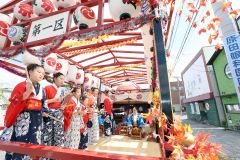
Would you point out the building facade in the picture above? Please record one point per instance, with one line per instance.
(201, 104)
(227, 89)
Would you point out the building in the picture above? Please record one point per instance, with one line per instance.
(226, 88)
(177, 95)
(201, 100)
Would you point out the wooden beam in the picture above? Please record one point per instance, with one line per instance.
(133, 52)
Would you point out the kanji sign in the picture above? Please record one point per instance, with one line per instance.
(48, 27)
(232, 49)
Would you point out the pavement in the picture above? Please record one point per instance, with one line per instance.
(230, 140)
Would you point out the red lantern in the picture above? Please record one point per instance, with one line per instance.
(42, 7)
(60, 4)
(23, 11)
(3, 28)
(84, 17)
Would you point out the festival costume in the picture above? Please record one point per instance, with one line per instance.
(53, 133)
(84, 129)
(108, 116)
(93, 133)
(26, 122)
(72, 123)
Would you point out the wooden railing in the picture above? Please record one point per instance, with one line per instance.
(37, 151)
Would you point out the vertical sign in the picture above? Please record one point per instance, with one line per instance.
(232, 49)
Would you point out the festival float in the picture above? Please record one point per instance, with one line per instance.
(106, 43)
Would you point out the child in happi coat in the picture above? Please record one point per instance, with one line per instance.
(87, 123)
(24, 114)
(73, 120)
(53, 133)
(93, 133)
(108, 118)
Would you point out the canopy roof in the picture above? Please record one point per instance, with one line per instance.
(117, 58)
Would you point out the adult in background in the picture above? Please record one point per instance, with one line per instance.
(108, 111)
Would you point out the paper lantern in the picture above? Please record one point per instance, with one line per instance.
(5, 21)
(41, 7)
(120, 9)
(95, 82)
(80, 76)
(50, 63)
(88, 80)
(60, 4)
(28, 58)
(62, 66)
(72, 73)
(23, 11)
(17, 34)
(84, 17)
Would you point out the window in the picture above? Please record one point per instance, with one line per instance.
(227, 71)
(197, 108)
(192, 108)
(232, 108)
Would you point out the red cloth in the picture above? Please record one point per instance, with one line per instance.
(51, 92)
(85, 120)
(108, 105)
(90, 101)
(68, 112)
(16, 105)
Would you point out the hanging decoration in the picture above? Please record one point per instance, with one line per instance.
(61, 4)
(50, 63)
(9, 69)
(80, 76)
(23, 11)
(84, 17)
(84, 42)
(129, 76)
(17, 34)
(62, 66)
(207, 23)
(186, 146)
(72, 73)
(129, 25)
(123, 9)
(88, 80)
(116, 69)
(42, 7)
(27, 58)
(106, 47)
(5, 22)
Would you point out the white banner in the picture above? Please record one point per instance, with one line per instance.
(48, 27)
(232, 49)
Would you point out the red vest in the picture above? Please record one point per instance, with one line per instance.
(108, 105)
(17, 105)
(68, 112)
(51, 92)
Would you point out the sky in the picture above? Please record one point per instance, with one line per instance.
(193, 44)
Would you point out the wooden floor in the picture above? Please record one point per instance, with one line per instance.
(126, 145)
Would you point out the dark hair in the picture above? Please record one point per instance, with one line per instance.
(32, 67)
(83, 98)
(56, 75)
(75, 89)
(94, 88)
